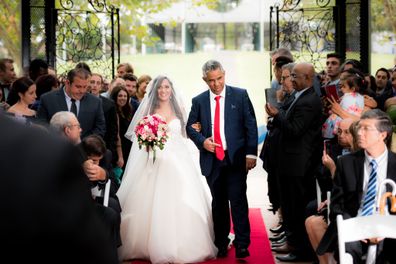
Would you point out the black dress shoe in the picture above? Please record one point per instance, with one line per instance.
(282, 249)
(279, 242)
(278, 236)
(241, 252)
(292, 257)
(277, 230)
(222, 253)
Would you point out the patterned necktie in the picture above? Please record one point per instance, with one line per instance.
(217, 139)
(369, 199)
(73, 107)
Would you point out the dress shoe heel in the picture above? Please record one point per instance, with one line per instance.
(241, 252)
(277, 230)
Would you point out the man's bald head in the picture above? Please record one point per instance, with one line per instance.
(303, 74)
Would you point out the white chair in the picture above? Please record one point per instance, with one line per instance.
(105, 193)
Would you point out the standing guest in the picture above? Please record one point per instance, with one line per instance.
(75, 98)
(298, 157)
(123, 68)
(37, 68)
(130, 84)
(284, 52)
(125, 113)
(22, 94)
(110, 115)
(44, 84)
(142, 83)
(228, 149)
(115, 82)
(7, 76)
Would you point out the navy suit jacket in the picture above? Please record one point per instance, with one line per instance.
(240, 127)
(90, 115)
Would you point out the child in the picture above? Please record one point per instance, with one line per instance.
(352, 101)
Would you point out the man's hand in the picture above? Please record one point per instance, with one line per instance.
(271, 110)
(250, 163)
(209, 145)
(197, 126)
(94, 172)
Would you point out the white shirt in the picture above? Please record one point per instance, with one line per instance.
(382, 169)
(212, 97)
(68, 102)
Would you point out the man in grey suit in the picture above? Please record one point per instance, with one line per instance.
(74, 98)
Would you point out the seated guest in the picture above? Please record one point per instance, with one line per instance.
(356, 181)
(50, 215)
(316, 223)
(68, 126)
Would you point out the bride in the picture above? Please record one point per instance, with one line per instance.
(166, 215)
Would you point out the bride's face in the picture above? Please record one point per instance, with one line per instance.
(164, 91)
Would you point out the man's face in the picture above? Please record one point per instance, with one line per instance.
(77, 89)
(345, 138)
(95, 84)
(394, 80)
(332, 67)
(298, 78)
(131, 87)
(121, 71)
(380, 79)
(73, 131)
(8, 76)
(215, 80)
(368, 135)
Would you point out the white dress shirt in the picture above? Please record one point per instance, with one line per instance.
(68, 102)
(212, 114)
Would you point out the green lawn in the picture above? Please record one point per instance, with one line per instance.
(250, 70)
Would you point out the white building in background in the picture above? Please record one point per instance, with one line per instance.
(183, 28)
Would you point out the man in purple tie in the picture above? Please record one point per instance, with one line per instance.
(227, 142)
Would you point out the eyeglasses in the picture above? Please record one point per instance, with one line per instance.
(366, 129)
(75, 125)
(283, 78)
(295, 75)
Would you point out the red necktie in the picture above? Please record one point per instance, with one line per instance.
(217, 139)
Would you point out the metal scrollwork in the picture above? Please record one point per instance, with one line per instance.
(309, 33)
(101, 6)
(66, 4)
(87, 36)
(322, 3)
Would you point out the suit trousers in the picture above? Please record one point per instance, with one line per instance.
(227, 183)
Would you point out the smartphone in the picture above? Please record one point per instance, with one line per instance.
(326, 146)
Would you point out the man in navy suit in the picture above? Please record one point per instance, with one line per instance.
(227, 142)
(88, 108)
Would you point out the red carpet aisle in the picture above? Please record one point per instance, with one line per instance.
(260, 251)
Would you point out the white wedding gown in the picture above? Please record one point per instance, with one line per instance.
(166, 213)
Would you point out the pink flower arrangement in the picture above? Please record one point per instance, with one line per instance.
(152, 132)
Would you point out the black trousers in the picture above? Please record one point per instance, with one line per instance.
(227, 183)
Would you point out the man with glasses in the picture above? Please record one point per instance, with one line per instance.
(358, 176)
(299, 138)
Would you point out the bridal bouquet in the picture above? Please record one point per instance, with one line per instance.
(152, 132)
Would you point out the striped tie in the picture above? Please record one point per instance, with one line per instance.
(369, 199)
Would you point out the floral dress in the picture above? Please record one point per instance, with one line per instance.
(353, 103)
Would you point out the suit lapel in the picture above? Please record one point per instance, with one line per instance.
(207, 113)
(62, 100)
(391, 170)
(228, 102)
(359, 168)
(296, 100)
